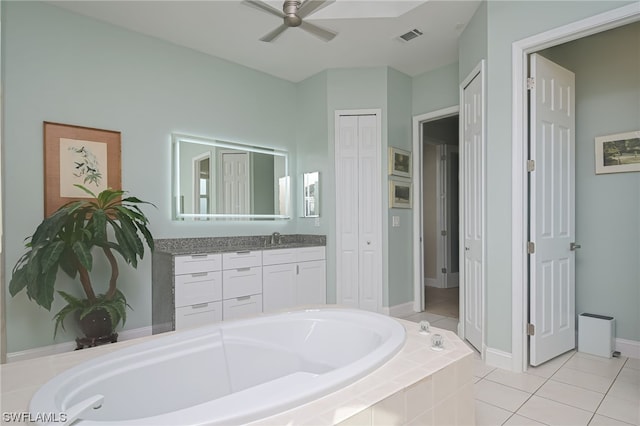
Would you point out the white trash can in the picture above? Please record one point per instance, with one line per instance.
(596, 334)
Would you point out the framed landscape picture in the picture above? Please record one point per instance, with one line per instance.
(75, 155)
(618, 153)
(399, 162)
(400, 194)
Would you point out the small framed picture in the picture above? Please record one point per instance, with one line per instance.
(618, 153)
(399, 162)
(76, 155)
(400, 194)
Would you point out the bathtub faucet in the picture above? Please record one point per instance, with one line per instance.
(75, 411)
(275, 238)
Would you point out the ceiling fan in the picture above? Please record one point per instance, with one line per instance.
(293, 12)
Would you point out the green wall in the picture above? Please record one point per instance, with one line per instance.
(400, 287)
(607, 69)
(472, 45)
(66, 68)
(435, 89)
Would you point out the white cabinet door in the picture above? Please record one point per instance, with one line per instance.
(278, 287)
(311, 283)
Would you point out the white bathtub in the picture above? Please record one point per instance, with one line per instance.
(229, 373)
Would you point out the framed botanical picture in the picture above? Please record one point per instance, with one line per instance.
(400, 194)
(78, 155)
(399, 162)
(618, 153)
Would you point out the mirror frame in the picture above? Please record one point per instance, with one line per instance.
(177, 138)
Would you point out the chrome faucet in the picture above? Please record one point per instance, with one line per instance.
(275, 238)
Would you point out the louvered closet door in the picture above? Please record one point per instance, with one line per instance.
(358, 212)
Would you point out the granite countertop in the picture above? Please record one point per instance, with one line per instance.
(180, 246)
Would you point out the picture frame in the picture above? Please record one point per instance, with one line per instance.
(618, 153)
(400, 194)
(400, 162)
(78, 155)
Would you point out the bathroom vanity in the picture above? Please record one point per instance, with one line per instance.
(198, 281)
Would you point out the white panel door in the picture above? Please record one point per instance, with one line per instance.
(235, 181)
(552, 207)
(347, 208)
(473, 215)
(358, 211)
(370, 204)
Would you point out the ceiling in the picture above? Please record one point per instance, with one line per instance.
(368, 32)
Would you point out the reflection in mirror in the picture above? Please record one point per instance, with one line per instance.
(217, 179)
(311, 195)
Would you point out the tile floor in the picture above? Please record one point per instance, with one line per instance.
(572, 389)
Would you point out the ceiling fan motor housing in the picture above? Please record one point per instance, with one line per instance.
(290, 9)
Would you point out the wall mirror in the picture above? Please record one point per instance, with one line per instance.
(311, 194)
(215, 179)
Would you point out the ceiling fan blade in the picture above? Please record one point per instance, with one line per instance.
(257, 4)
(324, 34)
(275, 33)
(310, 6)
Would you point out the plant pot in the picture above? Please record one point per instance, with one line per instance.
(96, 324)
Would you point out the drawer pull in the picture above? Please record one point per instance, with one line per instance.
(199, 306)
(239, 299)
(200, 274)
(243, 252)
(199, 256)
(243, 269)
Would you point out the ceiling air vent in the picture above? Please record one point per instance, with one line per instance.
(411, 35)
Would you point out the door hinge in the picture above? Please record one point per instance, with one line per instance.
(443, 233)
(531, 247)
(444, 270)
(531, 165)
(531, 83)
(531, 330)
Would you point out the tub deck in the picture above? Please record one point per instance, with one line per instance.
(417, 386)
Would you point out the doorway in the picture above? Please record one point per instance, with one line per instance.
(520, 208)
(440, 232)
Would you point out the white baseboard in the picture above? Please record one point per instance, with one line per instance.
(399, 311)
(431, 282)
(453, 280)
(628, 348)
(70, 346)
(497, 358)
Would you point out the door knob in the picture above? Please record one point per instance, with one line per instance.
(368, 243)
(574, 246)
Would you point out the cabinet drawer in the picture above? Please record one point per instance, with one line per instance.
(241, 259)
(198, 287)
(278, 256)
(197, 263)
(241, 282)
(197, 315)
(306, 254)
(241, 307)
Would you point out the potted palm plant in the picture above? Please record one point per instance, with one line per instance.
(66, 239)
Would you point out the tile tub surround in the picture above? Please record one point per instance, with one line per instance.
(417, 387)
(177, 246)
